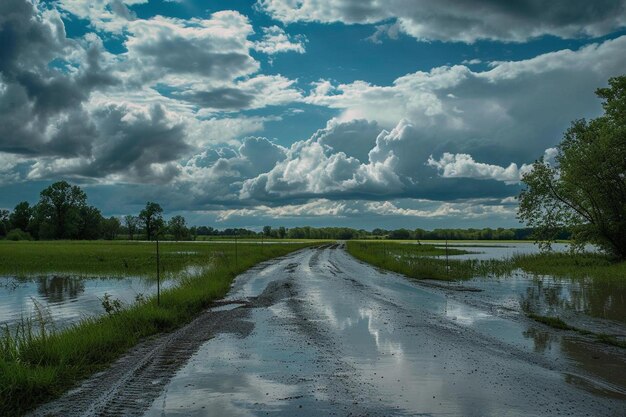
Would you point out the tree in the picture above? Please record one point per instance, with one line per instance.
(131, 222)
(152, 219)
(4, 222)
(267, 231)
(110, 227)
(21, 216)
(282, 232)
(178, 227)
(58, 208)
(89, 223)
(585, 189)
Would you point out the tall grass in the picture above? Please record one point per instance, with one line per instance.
(37, 365)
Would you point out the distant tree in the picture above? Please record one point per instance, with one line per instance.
(585, 190)
(89, 223)
(152, 219)
(132, 223)
(400, 234)
(5, 224)
(21, 216)
(267, 231)
(282, 232)
(111, 227)
(178, 228)
(59, 210)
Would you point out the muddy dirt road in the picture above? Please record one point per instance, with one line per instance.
(318, 333)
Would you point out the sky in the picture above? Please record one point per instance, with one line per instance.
(359, 113)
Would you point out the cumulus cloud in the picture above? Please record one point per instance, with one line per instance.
(463, 166)
(176, 51)
(73, 109)
(41, 106)
(107, 15)
(217, 174)
(407, 208)
(450, 20)
(396, 166)
(131, 144)
(275, 40)
(486, 113)
(317, 208)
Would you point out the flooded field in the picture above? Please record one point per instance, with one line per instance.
(324, 334)
(589, 303)
(65, 299)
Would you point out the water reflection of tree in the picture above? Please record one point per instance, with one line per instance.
(560, 295)
(543, 340)
(59, 288)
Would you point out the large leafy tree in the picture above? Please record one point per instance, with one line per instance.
(21, 216)
(131, 222)
(59, 210)
(584, 190)
(178, 228)
(152, 218)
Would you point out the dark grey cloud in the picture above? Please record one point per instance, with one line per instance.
(127, 144)
(41, 105)
(216, 49)
(225, 98)
(465, 20)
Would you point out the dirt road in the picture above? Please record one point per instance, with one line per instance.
(318, 333)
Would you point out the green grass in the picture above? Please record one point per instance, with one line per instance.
(114, 258)
(417, 261)
(36, 367)
(412, 260)
(558, 323)
(554, 322)
(593, 265)
(425, 261)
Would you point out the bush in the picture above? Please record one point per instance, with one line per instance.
(18, 234)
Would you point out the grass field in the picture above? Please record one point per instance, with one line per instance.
(416, 261)
(37, 365)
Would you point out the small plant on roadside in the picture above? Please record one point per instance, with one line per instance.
(111, 305)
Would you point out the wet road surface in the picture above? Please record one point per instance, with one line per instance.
(319, 333)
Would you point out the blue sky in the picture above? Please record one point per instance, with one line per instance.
(311, 112)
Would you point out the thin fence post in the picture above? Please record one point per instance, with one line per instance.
(447, 262)
(236, 254)
(158, 263)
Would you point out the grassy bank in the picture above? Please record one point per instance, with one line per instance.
(558, 323)
(37, 366)
(424, 261)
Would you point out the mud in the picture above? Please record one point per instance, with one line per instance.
(319, 333)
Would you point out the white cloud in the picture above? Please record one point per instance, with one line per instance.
(458, 110)
(176, 51)
(463, 166)
(275, 40)
(416, 209)
(316, 208)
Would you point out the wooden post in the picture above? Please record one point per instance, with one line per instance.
(236, 254)
(158, 272)
(447, 263)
